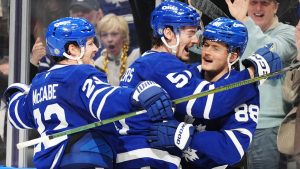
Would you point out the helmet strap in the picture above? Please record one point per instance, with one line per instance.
(77, 58)
(172, 47)
(230, 64)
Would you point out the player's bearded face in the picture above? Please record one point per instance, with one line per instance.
(90, 51)
(214, 58)
(187, 38)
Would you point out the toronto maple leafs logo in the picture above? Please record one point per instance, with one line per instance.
(115, 2)
(189, 119)
(190, 154)
(200, 127)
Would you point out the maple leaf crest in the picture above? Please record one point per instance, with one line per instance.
(115, 2)
(200, 127)
(190, 154)
(189, 119)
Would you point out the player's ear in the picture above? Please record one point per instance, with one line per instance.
(234, 56)
(73, 50)
(168, 33)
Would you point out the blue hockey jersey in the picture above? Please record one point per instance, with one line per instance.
(224, 140)
(62, 98)
(179, 80)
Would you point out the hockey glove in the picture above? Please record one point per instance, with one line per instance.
(170, 134)
(264, 61)
(154, 99)
(13, 89)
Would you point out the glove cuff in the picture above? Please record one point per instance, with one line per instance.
(183, 135)
(260, 64)
(141, 87)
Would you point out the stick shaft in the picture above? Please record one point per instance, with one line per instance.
(208, 8)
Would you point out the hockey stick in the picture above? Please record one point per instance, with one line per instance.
(176, 101)
(208, 8)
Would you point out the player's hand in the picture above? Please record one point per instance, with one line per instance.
(38, 51)
(13, 89)
(154, 99)
(264, 61)
(170, 134)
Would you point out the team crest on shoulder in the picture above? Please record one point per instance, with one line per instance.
(190, 154)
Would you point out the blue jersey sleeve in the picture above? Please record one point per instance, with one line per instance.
(105, 101)
(228, 144)
(19, 113)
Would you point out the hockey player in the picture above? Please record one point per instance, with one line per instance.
(174, 26)
(224, 140)
(73, 94)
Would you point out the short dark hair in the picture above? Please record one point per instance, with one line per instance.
(58, 58)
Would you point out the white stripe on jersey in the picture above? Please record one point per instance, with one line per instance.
(192, 101)
(188, 73)
(244, 131)
(18, 117)
(236, 142)
(125, 127)
(10, 102)
(208, 103)
(58, 154)
(93, 99)
(103, 100)
(148, 153)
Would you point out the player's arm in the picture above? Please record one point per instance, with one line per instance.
(16, 97)
(228, 145)
(224, 146)
(106, 101)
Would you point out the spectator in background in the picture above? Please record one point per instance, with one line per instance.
(298, 37)
(4, 70)
(4, 66)
(44, 12)
(118, 54)
(121, 8)
(289, 132)
(264, 27)
(88, 9)
(3, 109)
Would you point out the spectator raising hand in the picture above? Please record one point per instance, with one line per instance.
(38, 51)
(238, 9)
